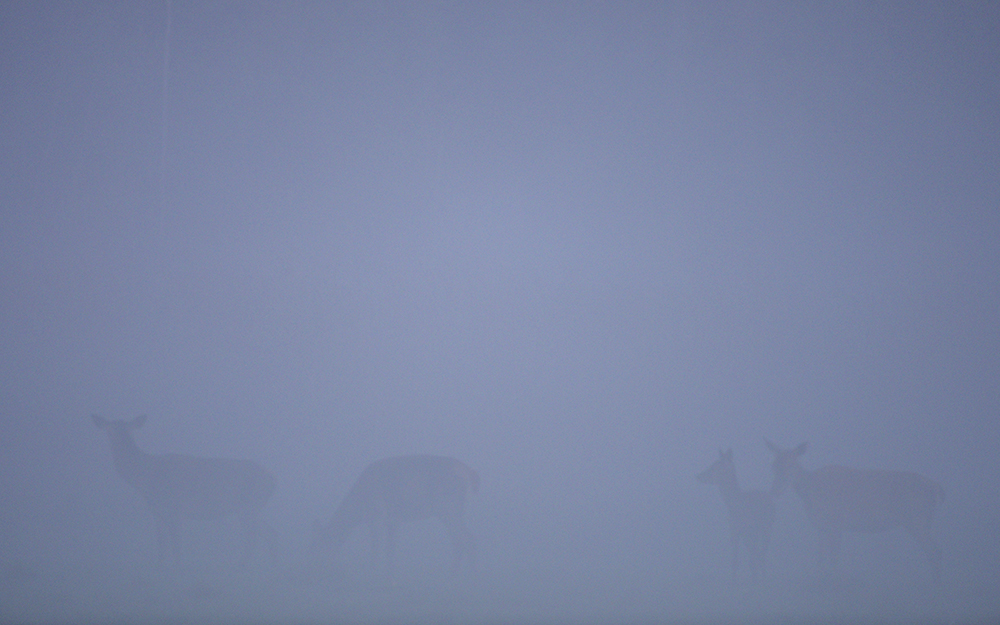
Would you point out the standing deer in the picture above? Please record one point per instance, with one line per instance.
(398, 490)
(177, 486)
(841, 499)
(751, 513)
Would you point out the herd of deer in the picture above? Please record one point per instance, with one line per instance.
(836, 499)
(387, 493)
(397, 490)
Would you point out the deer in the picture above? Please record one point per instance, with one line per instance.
(840, 499)
(750, 512)
(398, 490)
(179, 486)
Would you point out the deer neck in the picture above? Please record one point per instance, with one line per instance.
(799, 480)
(729, 486)
(349, 514)
(131, 463)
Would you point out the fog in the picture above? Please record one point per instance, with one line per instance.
(580, 247)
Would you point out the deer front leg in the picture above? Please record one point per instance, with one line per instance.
(922, 535)
(734, 550)
(168, 538)
(377, 530)
(829, 540)
(390, 549)
(463, 545)
(249, 524)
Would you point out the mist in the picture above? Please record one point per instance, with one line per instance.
(579, 247)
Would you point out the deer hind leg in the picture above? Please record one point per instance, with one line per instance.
(377, 530)
(463, 545)
(734, 550)
(251, 525)
(756, 545)
(390, 549)
(924, 538)
(271, 538)
(383, 553)
(168, 539)
(763, 545)
(162, 541)
(829, 547)
(468, 547)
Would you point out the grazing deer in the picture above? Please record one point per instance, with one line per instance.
(751, 513)
(841, 499)
(398, 490)
(177, 486)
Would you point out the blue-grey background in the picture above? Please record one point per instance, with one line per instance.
(578, 246)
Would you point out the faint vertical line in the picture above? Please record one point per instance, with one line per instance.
(163, 107)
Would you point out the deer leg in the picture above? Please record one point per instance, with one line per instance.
(468, 542)
(922, 535)
(763, 542)
(390, 549)
(754, 558)
(376, 540)
(734, 551)
(271, 538)
(835, 547)
(470, 549)
(829, 547)
(383, 546)
(463, 545)
(168, 538)
(161, 540)
(250, 525)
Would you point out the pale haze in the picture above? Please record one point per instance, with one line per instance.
(580, 247)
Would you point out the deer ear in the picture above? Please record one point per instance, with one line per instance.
(138, 421)
(99, 421)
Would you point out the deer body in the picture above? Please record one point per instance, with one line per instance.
(399, 490)
(840, 499)
(750, 512)
(177, 486)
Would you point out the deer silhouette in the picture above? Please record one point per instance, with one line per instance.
(178, 486)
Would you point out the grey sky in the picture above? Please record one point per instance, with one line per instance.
(578, 246)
